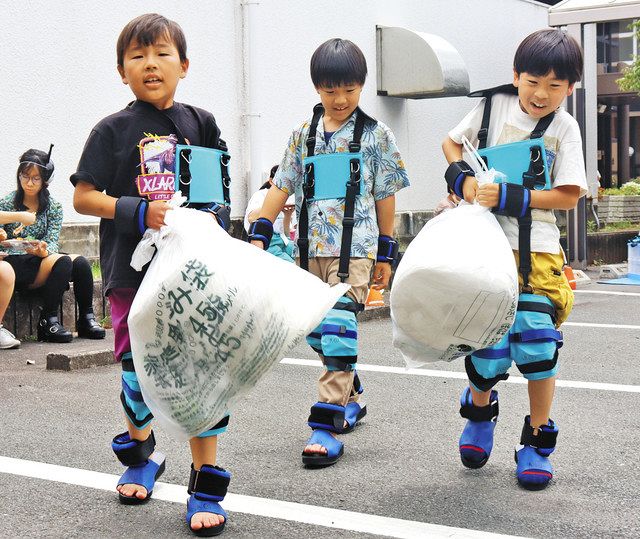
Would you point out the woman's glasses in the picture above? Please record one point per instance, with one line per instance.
(35, 180)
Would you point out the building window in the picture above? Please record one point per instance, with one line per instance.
(617, 45)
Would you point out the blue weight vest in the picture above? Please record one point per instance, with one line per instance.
(330, 176)
(202, 174)
(524, 163)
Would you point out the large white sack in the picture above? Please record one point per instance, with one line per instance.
(211, 316)
(456, 288)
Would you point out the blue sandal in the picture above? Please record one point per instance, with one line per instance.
(144, 466)
(335, 449)
(476, 441)
(534, 470)
(207, 487)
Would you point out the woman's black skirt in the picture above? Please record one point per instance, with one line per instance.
(26, 268)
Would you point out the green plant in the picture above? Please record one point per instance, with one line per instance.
(632, 187)
(95, 270)
(106, 322)
(630, 81)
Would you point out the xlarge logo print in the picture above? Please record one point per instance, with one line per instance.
(156, 180)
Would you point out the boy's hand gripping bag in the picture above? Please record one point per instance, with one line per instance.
(210, 318)
(456, 288)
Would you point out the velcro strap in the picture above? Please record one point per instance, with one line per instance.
(480, 413)
(261, 229)
(387, 249)
(341, 331)
(341, 363)
(546, 438)
(492, 353)
(455, 175)
(126, 215)
(533, 335)
(221, 213)
(537, 307)
(352, 306)
(513, 200)
(133, 452)
(209, 480)
(327, 416)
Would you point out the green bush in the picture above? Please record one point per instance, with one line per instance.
(632, 187)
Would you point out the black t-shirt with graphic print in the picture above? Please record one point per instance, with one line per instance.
(132, 153)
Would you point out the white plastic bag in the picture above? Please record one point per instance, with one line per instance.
(211, 316)
(456, 288)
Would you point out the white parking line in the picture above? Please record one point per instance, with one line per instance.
(608, 292)
(593, 325)
(463, 376)
(264, 507)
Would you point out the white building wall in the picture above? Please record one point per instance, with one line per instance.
(59, 75)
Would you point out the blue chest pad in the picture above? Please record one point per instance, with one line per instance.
(513, 161)
(331, 172)
(205, 166)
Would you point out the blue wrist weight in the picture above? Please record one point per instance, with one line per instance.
(456, 174)
(387, 249)
(261, 229)
(513, 200)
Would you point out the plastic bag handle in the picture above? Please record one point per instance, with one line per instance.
(477, 163)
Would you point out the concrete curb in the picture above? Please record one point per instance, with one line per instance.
(374, 313)
(86, 358)
(79, 360)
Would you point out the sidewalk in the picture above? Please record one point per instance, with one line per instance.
(83, 353)
(79, 353)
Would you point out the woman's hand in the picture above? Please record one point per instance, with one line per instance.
(3, 234)
(39, 250)
(155, 214)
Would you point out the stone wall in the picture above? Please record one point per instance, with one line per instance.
(616, 208)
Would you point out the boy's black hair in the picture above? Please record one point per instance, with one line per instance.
(38, 159)
(547, 50)
(146, 30)
(337, 62)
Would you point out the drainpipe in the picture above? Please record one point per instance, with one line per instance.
(250, 116)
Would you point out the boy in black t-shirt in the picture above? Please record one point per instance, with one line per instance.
(125, 176)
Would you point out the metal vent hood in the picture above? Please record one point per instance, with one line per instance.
(417, 65)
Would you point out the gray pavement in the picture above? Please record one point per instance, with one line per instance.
(401, 462)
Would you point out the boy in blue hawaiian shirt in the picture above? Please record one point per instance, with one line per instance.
(344, 169)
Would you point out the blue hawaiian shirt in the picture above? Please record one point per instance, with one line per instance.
(46, 228)
(384, 175)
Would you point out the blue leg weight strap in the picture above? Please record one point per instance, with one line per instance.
(327, 417)
(534, 340)
(339, 335)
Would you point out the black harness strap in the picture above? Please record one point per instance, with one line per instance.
(308, 190)
(530, 179)
(352, 190)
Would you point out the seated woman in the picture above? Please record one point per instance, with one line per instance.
(39, 265)
(281, 244)
(7, 276)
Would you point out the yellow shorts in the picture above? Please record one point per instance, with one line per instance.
(548, 279)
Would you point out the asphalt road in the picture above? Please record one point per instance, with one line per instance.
(401, 463)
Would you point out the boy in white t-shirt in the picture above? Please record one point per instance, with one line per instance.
(547, 64)
(284, 227)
